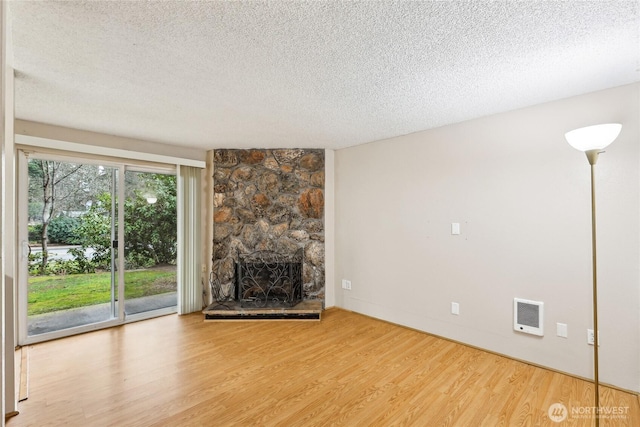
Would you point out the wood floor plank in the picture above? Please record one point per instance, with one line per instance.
(346, 370)
(22, 362)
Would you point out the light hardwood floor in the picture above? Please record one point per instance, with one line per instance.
(347, 370)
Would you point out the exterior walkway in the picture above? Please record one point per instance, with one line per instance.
(65, 319)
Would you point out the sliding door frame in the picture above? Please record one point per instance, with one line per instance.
(121, 165)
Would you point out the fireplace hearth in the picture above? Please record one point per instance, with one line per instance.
(262, 285)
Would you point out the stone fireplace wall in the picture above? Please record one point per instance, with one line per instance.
(270, 200)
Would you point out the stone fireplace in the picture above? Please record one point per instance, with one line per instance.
(269, 201)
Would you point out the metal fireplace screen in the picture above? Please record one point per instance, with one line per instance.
(269, 279)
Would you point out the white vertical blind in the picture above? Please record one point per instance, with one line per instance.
(189, 288)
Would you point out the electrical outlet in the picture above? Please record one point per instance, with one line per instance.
(455, 308)
(591, 337)
(346, 284)
(561, 330)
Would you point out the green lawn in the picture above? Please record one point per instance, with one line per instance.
(53, 293)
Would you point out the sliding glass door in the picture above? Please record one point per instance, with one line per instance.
(71, 218)
(89, 261)
(150, 235)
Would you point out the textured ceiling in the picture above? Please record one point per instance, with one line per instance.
(308, 74)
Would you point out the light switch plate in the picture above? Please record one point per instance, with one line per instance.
(455, 228)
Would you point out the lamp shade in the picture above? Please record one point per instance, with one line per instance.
(594, 137)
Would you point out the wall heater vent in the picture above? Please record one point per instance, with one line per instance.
(528, 316)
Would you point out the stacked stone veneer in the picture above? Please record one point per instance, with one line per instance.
(270, 200)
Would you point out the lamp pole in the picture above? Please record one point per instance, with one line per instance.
(592, 156)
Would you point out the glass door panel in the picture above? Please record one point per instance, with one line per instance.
(72, 220)
(150, 236)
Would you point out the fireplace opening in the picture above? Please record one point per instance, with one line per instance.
(269, 279)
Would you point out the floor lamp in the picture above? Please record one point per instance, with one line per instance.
(592, 140)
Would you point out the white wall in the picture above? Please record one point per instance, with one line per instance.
(522, 197)
(7, 209)
(3, 115)
(329, 229)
